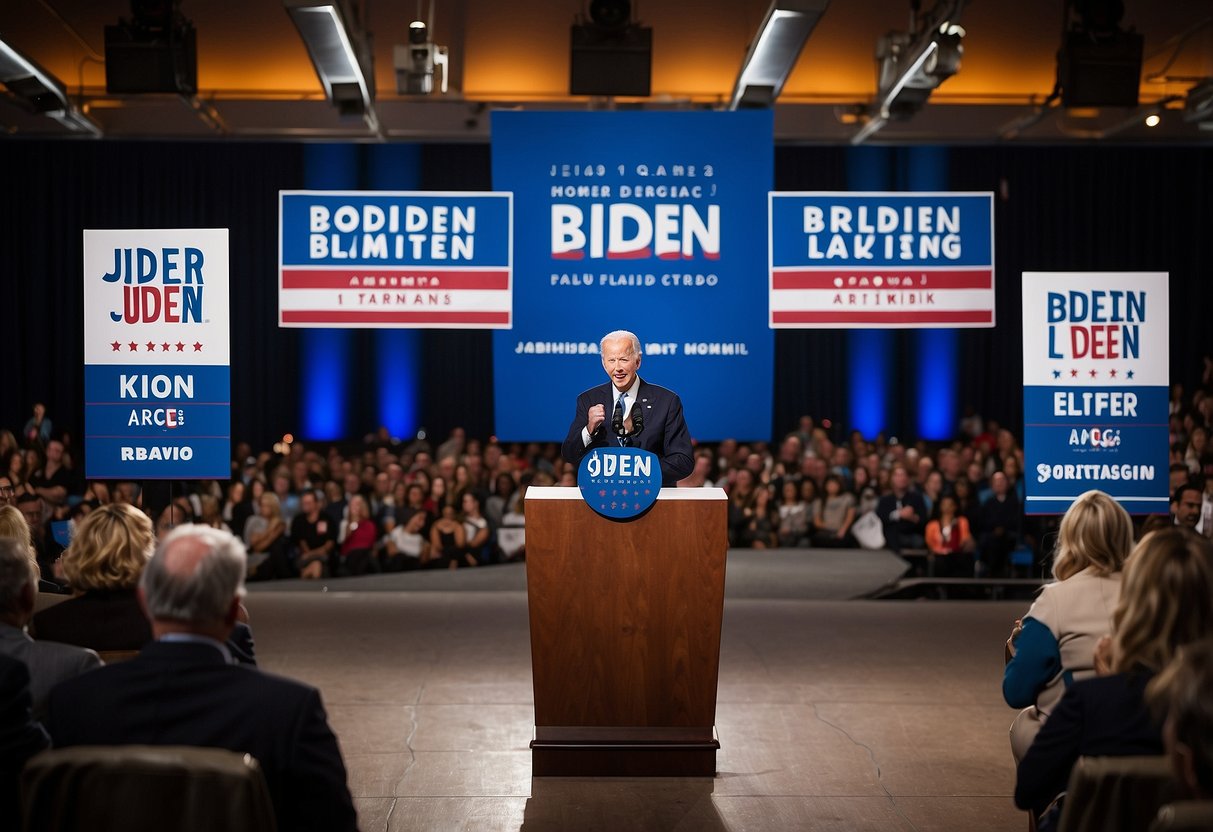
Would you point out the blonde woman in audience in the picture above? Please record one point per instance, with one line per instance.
(1054, 644)
(14, 527)
(265, 536)
(1166, 602)
(103, 565)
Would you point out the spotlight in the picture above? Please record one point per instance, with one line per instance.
(910, 65)
(39, 91)
(774, 52)
(1152, 120)
(340, 52)
(419, 61)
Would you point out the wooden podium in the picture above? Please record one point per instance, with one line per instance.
(625, 634)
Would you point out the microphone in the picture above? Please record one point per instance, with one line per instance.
(637, 421)
(617, 422)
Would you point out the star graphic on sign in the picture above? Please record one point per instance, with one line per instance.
(197, 347)
(1074, 374)
(164, 347)
(1094, 374)
(1112, 372)
(134, 347)
(180, 347)
(151, 347)
(1129, 374)
(116, 346)
(1057, 374)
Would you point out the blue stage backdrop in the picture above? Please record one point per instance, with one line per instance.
(653, 222)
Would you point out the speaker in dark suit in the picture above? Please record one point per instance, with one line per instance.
(627, 410)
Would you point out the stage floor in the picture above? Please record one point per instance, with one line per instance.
(832, 714)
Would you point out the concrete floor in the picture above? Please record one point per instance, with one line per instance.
(832, 715)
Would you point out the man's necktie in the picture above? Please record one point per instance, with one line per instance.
(617, 417)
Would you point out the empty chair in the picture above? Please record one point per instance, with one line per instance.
(1116, 794)
(140, 788)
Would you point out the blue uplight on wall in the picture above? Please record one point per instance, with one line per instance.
(397, 167)
(326, 353)
(869, 351)
(935, 349)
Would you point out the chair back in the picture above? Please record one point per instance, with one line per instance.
(145, 789)
(1184, 816)
(115, 656)
(1116, 794)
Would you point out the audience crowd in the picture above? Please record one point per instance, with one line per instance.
(1088, 653)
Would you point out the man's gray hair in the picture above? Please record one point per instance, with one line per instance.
(617, 335)
(15, 573)
(204, 595)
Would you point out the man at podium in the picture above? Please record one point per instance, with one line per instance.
(642, 415)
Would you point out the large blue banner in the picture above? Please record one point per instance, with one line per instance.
(1095, 374)
(157, 400)
(651, 222)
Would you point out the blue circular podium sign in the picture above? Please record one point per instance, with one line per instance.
(619, 483)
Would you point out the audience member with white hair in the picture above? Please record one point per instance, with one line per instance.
(184, 687)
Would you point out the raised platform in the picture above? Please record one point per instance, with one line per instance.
(805, 574)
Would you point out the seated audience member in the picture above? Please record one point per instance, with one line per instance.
(265, 536)
(903, 513)
(475, 527)
(102, 566)
(948, 538)
(49, 663)
(1166, 601)
(313, 538)
(1055, 643)
(1186, 505)
(211, 514)
(1184, 693)
(833, 515)
(998, 522)
(405, 547)
(20, 737)
(448, 541)
(761, 530)
(32, 509)
(183, 689)
(53, 481)
(793, 514)
(236, 510)
(742, 496)
(358, 536)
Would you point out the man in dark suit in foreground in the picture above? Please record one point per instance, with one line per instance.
(183, 688)
(641, 415)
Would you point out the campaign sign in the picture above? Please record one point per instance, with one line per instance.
(881, 260)
(419, 260)
(646, 221)
(619, 483)
(157, 381)
(1095, 375)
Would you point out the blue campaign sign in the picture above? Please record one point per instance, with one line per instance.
(430, 259)
(619, 483)
(157, 379)
(882, 260)
(1095, 389)
(644, 221)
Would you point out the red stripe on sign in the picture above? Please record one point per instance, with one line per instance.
(325, 316)
(383, 279)
(814, 279)
(940, 316)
